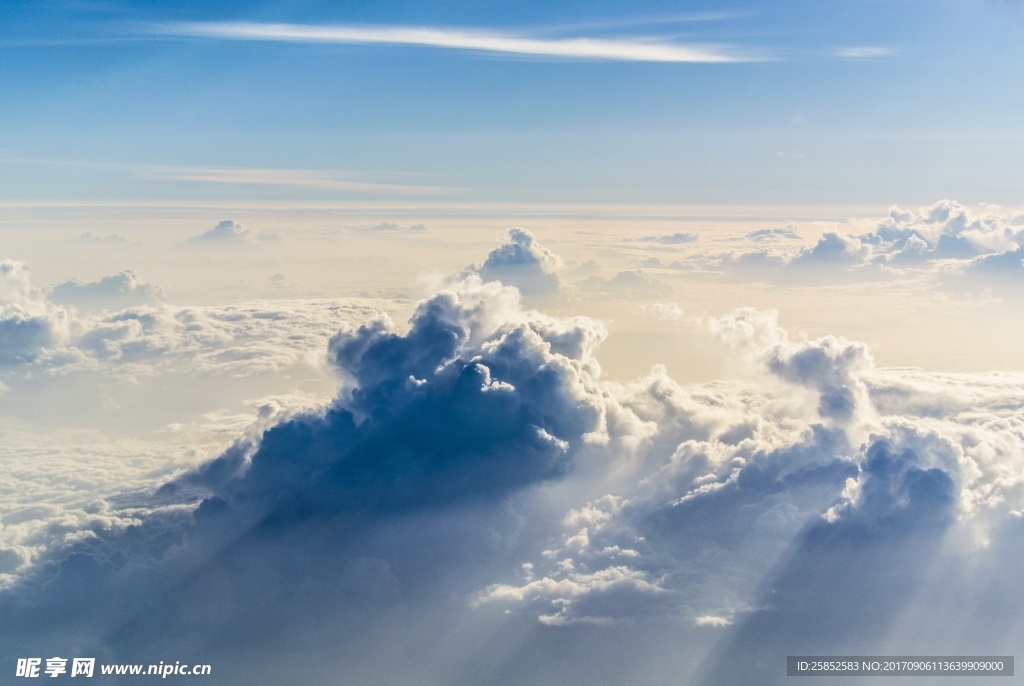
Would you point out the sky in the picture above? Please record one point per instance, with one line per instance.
(490, 343)
(861, 104)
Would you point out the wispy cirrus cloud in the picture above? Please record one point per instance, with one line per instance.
(864, 52)
(301, 178)
(622, 49)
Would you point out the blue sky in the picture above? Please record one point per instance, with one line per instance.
(865, 102)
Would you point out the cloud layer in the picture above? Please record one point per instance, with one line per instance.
(479, 504)
(946, 234)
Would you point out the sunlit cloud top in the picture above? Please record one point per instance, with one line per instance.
(628, 50)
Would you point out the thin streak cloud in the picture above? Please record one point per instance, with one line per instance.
(627, 50)
(654, 20)
(304, 178)
(864, 52)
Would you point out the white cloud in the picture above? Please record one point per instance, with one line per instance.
(773, 234)
(943, 240)
(111, 292)
(29, 325)
(461, 39)
(391, 227)
(524, 263)
(626, 282)
(712, 621)
(227, 232)
(668, 238)
(833, 249)
(94, 239)
(864, 52)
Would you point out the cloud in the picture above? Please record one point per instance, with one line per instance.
(833, 366)
(29, 325)
(411, 474)
(1008, 263)
(460, 39)
(524, 263)
(628, 281)
(226, 232)
(93, 239)
(947, 232)
(391, 227)
(833, 249)
(477, 502)
(863, 485)
(15, 282)
(773, 234)
(25, 336)
(752, 261)
(862, 566)
(668, 239)
(864, 52)
(122, 326)
(117, 291)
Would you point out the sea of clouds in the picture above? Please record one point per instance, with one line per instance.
(479, 504)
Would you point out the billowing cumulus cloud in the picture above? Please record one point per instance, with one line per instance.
(28, 324)
(409, 474)
(947, 233)
(848, 496)
(833, 249)
(524, 263)
(832, 366)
